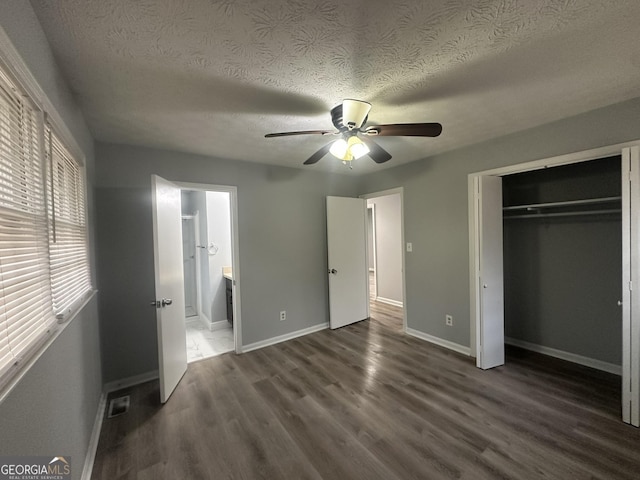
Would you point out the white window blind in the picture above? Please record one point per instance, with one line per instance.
(68, 242)
(25, 300)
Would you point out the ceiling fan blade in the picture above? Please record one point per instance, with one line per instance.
(406, 130)
(318, 155)
(304, 132)
(376, 152)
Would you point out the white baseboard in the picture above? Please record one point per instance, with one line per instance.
(205, 320)
(389, 301)
(283, 338)
(130, 381)
(568, 356)
(221, 325)
(439, 341)
(95, 437)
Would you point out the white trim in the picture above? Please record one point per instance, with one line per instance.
(220, 325)
(373, 268)
(205, 321)
(90, 457)
(389, 301)
(382, 193)
(130, 381)
(568, 356)
(566, 159)
(456, 347)
(283, 338)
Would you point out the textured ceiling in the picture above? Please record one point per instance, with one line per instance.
(213, 76)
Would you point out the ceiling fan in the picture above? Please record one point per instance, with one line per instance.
(349, 119)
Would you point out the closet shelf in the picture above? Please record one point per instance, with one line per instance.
(588, 206)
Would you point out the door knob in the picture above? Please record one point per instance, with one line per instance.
(484, 286)
(619, 303)
(155, 303)
(333, 271)
(166, 302)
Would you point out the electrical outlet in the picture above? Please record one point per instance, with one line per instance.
(283, 315)
(449, 320)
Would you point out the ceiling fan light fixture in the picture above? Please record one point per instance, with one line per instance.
(354, 113)
(339, 148)
(356, 147)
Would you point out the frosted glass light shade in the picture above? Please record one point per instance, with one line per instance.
(339, 149)
(356, 147)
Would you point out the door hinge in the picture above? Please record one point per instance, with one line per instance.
(630, 285)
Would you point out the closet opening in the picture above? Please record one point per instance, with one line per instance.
(596, 189)
(562, 262)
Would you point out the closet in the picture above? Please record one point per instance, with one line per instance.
(562, 261)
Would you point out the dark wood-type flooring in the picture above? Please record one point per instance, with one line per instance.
(368, 402)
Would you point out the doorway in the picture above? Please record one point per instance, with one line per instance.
(385, 257)
(486, 276)
(208, 272)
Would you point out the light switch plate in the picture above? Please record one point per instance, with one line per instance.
(409, 247)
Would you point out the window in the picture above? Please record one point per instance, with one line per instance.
(69, 256)
(44, 268)
(25, 303)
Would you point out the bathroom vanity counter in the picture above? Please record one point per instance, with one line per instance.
(227, 273)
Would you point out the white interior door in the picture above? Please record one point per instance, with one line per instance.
(347, 256)
(490, 284)
(631, 275)
(169, 301)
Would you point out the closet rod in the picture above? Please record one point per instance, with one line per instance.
(588, 201)
(565, 214)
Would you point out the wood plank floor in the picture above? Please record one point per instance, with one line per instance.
(368, 402)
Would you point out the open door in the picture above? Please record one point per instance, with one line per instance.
(630, 275)
(347, 255)
(489, 274)
(169, 301)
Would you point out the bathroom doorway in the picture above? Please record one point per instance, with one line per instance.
(208, 257)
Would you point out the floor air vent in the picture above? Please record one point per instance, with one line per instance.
(118, 406)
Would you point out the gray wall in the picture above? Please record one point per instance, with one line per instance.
(562, 282)
(435, 207)
(282, 235)
(52, 409)
(388, 246)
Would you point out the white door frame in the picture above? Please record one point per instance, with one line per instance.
(235, 254)
(630, 302)
(374, 252)
(384, 193)
(632, 361)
